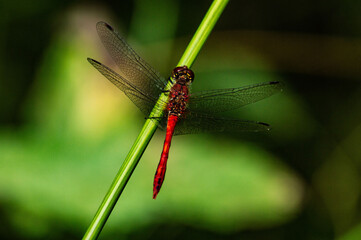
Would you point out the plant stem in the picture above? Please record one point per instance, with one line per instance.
(202, 33)
(150, 125)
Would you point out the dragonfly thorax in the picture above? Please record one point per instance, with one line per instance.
(178, 98)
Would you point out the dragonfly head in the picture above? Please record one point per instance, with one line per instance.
(183, 75)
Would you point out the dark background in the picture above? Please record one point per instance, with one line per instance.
(65, 130)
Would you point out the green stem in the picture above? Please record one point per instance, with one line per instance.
(150, 125)
(202, 33)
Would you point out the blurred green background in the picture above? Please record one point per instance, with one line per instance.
(65, 130)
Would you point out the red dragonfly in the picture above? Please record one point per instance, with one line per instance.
(185, 113)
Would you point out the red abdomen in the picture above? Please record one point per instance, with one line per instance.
(162, 166)
(178, 98)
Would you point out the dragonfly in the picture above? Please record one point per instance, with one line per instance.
(185, 112)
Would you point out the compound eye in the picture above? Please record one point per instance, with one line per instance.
(190, 74)
(176, 71)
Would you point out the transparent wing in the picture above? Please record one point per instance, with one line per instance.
(143, 85)
(132, 67)
(197, 123)
(142, 100)
(214, 101)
